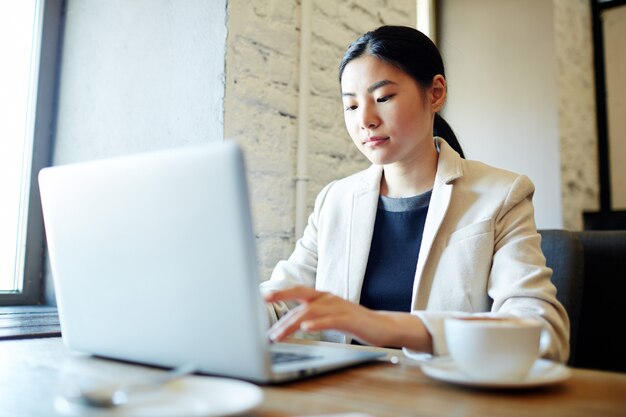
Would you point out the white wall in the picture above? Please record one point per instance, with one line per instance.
(502, 90)
(139, 75)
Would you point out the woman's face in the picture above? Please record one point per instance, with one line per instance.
(388, 116)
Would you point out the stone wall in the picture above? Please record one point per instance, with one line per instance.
(261, 102)
(577, 111)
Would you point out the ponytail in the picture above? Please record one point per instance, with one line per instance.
(443, 130)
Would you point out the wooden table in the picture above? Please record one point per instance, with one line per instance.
(31, 370)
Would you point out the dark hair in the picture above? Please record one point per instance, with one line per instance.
(411, 51)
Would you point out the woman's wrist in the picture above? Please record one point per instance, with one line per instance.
(407, 331)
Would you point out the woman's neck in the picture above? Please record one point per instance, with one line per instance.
(411, 178)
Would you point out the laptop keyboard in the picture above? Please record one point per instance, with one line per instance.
(286, 357)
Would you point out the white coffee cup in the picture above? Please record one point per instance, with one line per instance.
(493, 349)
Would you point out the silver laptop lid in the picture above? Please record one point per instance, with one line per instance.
(138, 246)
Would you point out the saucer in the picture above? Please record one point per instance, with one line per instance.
(543, 372)
(192, 396)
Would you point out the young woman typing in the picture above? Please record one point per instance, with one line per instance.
(423, 234)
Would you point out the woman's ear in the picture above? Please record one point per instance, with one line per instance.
(438, 92)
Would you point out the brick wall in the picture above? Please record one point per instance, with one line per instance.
(577, 113)
(261, 102)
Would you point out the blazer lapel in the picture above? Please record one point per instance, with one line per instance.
(362, 219)
(448, 169)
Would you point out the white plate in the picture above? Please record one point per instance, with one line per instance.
(543, 372)
(190, 397)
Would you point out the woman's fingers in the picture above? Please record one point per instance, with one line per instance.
(288, 324)
(322, 323)
(299, 293)
(315, 304)
(324, 311)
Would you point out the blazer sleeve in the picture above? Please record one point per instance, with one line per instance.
(519, 281)
(301, 267)
(530, 292)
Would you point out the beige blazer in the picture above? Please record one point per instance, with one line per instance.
(480, 250)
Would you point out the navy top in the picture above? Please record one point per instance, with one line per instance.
(388, 282)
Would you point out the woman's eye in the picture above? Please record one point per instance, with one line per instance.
(350, 108)
(384, 98)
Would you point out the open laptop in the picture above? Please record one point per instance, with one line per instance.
(153, 260)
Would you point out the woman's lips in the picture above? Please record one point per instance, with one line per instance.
(374, 141)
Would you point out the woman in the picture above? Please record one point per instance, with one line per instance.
(423, 234)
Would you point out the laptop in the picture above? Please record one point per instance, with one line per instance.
(153, 260)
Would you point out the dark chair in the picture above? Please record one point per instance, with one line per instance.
(602, 333)
(564, 255)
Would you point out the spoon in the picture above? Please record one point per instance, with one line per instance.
(113, 395)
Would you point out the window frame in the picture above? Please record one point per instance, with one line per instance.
(42, 125)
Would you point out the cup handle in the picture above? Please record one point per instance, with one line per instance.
(544, 342)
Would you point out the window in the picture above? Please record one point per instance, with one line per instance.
(29, 39)
(18, 37)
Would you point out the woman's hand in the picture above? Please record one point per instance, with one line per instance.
(324, 311)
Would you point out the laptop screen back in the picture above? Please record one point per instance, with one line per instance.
(153, 259)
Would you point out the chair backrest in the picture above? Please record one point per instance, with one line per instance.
(564, 255)
(602, 334)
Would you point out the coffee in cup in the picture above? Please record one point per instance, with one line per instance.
(492, 348)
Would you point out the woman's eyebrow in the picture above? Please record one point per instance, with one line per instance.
(372, 87)
(379, 84)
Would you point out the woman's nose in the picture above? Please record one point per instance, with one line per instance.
(369, 118)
